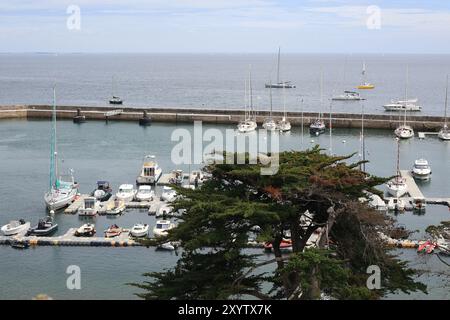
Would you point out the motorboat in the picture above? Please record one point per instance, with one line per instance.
(113, 231)
(103, 191)
(45, 227)
(284, 125)
(15, 227)
(348, 96)
(145, 193)
(150, 172)
(397, 186)
(115, 100)
(86, 230)
(62, 188)
(396, 204)
(377, 203)
(19, 244)
(161, 228)
(285, 245)
(168, 194)
(177, 177)
(139, 230)
(247, 126)
(169, 246)
(115, 207)
(404, 132)
(90, 207)
(164, 210)
(317, 127)
(421, 170)
(419, 205)
(126, 193)
(402, 105)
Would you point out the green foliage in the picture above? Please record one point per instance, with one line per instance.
(311, 191)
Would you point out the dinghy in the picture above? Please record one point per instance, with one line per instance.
(15, 227)
(45, 227)
(86, 230)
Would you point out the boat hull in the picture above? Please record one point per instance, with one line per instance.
(53, 203)
(43, 232)
(149, 179)
(13, 231)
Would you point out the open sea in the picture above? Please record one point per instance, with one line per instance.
(113, 151)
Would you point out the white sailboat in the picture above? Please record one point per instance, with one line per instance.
(405, 131)
(444, 133)
(284, 125)
(317, 127)
(280, 84)
(269, 123)
(249, 122)
(62, 188)
(397, 186)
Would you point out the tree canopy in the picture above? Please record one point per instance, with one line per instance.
(313, 195)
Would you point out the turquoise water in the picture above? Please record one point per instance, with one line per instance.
(114, 151)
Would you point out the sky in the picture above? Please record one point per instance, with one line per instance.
(228, 26)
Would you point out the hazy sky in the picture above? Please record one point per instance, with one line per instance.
(410, 26)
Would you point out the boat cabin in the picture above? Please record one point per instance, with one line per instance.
(89, 203)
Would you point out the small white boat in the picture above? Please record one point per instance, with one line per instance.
(444, 133)
(396, 204)
(168, 194)
(377, 203)
(116, 207)
(177, 177)
(284, 125)
(164, 210)
(167, 246)
(270, 125)
(86, 230)
(279, 84)
(161, 228)
(15, 227)
(247, 126)
(348, 96)
(113, 231)
(126, 192)
(89, 207)
(145, 193)
(150, 172)
(402, 105)
(397, 186)
(139, 230)
(421, 170)
(404, 132)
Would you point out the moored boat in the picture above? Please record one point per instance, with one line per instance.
(139, 230)
(421, 170)
(86, 230)
(145, 193)
(150, 172)
(15, 227)
(90, 207)
(348, 96)
(162, 227)
(103, 191)
(126, 193)
(45, 227)
(113, 231)
(168, 194)
(116, 207)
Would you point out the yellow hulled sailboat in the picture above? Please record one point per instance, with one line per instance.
(365, 85)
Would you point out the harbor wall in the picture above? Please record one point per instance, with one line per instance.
(221, 116)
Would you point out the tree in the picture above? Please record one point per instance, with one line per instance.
(311, 195)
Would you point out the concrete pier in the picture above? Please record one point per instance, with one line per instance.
(229, 116)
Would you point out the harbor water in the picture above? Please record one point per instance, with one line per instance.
(113, 151)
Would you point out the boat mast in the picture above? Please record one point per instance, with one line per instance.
(284, 103)
(245, 100)
(331, 132)
(321, 94)
(270, 95)
(446, 104)
(364, 73)
(278, 65)
(251, 113)
(398, 157)
(406, 93)
(363, 143)
(302, 119)
(53, 168)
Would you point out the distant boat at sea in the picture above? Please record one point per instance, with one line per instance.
(280, 84)
(114, 99)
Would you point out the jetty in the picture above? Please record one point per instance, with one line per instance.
(420, 123)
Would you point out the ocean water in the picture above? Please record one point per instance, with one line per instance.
(217, 80)
(113, 151)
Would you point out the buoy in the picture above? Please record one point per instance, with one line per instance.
(145, 120)
(52, 212)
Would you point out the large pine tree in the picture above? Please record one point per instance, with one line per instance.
(311, 193)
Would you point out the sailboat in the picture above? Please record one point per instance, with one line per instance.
(348, 95)
(365, 84)
(249, 122)
(284, 125)
(280, 84)
(444, 133)
(397, 186)
(114, 99)
(405, 131)
(62, 189)
(269, 123)
(318, 126)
